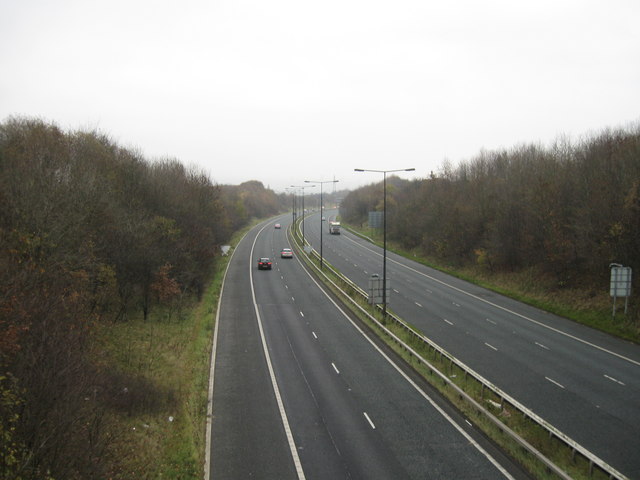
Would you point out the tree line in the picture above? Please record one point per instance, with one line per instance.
(90, 232)
(567, 210)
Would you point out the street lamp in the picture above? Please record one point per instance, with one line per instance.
(384, 230)
(302, 187)
(321, 210)
(293, 205)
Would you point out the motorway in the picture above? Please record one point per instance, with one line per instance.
(300, 392)
(584, 382)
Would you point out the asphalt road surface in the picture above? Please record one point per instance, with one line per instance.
(584, 382)
(300, 392)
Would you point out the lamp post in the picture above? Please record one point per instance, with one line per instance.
(384, 230)
(321, 211)
(302, 187)
(293, 204)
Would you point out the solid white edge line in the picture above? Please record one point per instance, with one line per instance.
(573, 337)
(478, 447)
(274, 382)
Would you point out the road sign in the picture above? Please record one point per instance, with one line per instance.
(376, 219)
(620, 281)
(375, 290)
(620, 285)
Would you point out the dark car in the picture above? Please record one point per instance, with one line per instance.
(264, 264)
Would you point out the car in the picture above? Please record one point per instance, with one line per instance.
(278, 226)
(286, 253)
(264, 263)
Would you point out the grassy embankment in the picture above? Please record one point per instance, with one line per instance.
(156, 426)
(588, 307)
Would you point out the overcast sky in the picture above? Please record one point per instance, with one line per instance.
(284, 91)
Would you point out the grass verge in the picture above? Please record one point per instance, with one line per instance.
(158, 376)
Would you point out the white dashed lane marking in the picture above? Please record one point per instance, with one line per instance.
(554, 382)
(369, 420)
(614, 380)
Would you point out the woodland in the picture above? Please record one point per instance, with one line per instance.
(91, 233)
(94, 234)
(562, 213)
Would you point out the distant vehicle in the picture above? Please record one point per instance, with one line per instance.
(277, 225)
(264, 263)
(334, 228)
(323, 219)
(286, 253)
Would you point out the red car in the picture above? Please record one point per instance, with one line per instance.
(264, 264)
